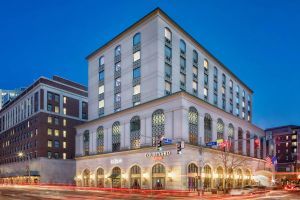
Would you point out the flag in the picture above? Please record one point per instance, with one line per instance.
(268, 162)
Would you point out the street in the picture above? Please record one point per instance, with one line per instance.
(27, 193)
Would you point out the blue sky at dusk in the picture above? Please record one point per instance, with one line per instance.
(258, 40)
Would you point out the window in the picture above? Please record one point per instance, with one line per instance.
(237, 89)
(224, 78)
(223, 104)
(137, 56)
(101, 104)
(56, 121)
(294, 137)
(205, 92)
(64, 156)
(49, 120)
(101, 89)
(168, 53)
(49, 143)
(168, 34)
(220, 129)
(136, 39)
(118, 97)
(49, 96)
(168, 70)
(56, 155)
(195, 86)
(215, 71)
(116, 136)
(65, 111)
(49, 131)
(86, 142)
(230, 84)
(243, 94)
(237, 111)
(56, 109)
(223, 90)
(193, 126)
(56, 98)
(182, 47)
(117, 82)
(64, 122)
(205, 79)
(101, 60)
(64, 145)
(118, 51)
(287, 137)
(207, 128)
(56, 144)
(100, 139)
(56, 132)
(101, 76)
(168, 87)
(182, 63)
(215, 99)
(182, 79)
(135, 134)
(205, 64)
(65, 100)
(49, 154)
(195, 56)
(118, 67)
(215, 86)
(137, 73)
(195, 72)
(137, 89)
(64, 134)
(49, 107)
(158, 125)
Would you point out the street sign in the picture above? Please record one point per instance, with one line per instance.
(209, 144)
(167, 141)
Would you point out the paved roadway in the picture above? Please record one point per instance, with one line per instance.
(10, 193)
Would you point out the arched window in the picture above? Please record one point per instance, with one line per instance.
(215, 71)
(137, 39)
(135, 133)
(195, 56)
(193, 125)
(205, 64)
(168, 34)
(207, 128)
(248, 143)
(182, 46)
(220, 177)
(100, 139)
(231, 137)
(100, 177)
(240, 141)
(116, 177)
(135, 177)
(239, 177)
(247, 177)
(158, 176)
(158, 125)
(101, 60)
(86, 142)
(207, 177)
(230, 180)
(220, 129)
(118, 51)
(86, 178)
(116, 136)
(192, 176)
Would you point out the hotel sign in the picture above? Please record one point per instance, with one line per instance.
(158, 154)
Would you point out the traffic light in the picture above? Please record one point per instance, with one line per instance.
(178, 145)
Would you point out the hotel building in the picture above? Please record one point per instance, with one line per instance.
(37, 134)
(155, 80)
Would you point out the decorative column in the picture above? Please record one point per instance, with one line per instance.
(235, 143)
(181, 125)
(93, 136)
(214, 130)
(148, 124)
(201, 130)
(127, 135)
(105, 131)
(225, 132)
(143, 131)
(109, 139)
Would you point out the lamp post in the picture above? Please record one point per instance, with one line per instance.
(21, 155)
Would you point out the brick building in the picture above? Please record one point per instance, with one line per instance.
(37, 133)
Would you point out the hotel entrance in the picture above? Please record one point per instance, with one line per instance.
(158, 177)
(116, 178)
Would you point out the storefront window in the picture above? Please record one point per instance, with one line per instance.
(135, 177)
(158, 177)
(100, 178)
(207, 178)
(86, 178)
(193, 176)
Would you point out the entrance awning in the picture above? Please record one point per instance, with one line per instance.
(115, 176)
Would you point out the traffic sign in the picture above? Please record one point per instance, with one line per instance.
(167, 141)
(209, 144)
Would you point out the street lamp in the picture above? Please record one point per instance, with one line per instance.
(21, 155)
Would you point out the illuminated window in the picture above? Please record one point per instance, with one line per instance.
(294, 137)
(49, 131)
(101, 89)
(65, 111)
(223, 90)
(101, 104)
(64, 156)
(193, 125)
(64, 134)
(64, 145)
(56, 109)
(230, 84)
(100, 139)
(294, 144)
(168, 34)
(50, 120)
(64, 122)
(136, 56)
(137, 89)
(49, 143)
(56, 132)
(168, 87)
(65, 100)
(205, 92)
(135, 134)
(195, 86)
(205, 64)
